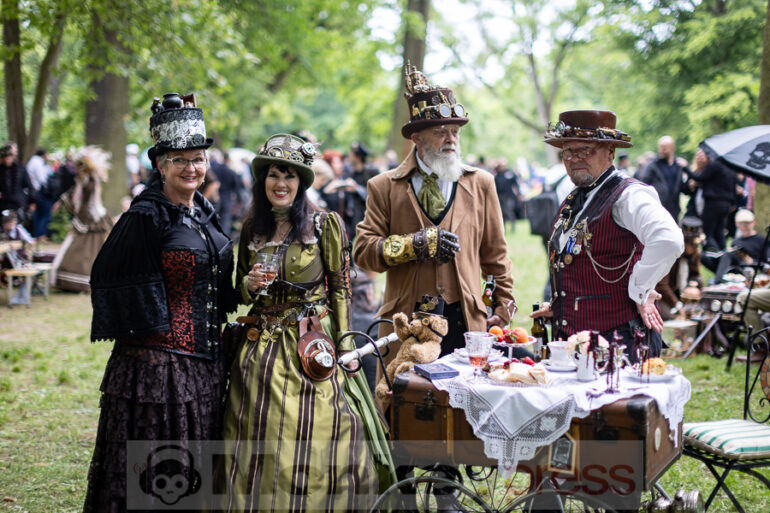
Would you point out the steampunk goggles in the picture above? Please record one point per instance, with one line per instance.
(290, 148)
(441, 111)
(562, 130)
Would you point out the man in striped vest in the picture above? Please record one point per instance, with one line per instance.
(612, 240)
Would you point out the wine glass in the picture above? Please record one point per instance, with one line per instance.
(269, 263)
(478, 344)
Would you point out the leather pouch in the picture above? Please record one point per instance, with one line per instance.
(316, 350)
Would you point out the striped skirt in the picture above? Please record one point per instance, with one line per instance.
(291, 444)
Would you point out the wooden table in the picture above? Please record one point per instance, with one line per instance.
(8, 245)
(29, 273)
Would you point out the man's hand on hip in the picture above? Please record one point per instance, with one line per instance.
(649, 312)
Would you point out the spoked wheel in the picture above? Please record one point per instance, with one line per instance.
(498, 492)
(552, 501)
(428, 494)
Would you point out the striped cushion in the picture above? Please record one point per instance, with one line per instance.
(734, 439)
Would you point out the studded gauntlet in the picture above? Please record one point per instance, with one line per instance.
(427, 244)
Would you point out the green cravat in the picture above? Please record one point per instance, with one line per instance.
(430, 197)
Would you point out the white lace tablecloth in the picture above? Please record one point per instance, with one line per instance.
(515, 420)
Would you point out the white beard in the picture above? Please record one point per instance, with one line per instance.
(447, 167)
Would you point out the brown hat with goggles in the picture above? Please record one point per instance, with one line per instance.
(586, 125)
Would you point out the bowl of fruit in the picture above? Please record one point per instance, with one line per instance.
(517, 336)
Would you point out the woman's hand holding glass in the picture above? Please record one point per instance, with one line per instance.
(263, 273)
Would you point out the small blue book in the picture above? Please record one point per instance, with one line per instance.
(435, 370)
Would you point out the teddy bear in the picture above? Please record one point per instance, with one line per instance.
(420, 343)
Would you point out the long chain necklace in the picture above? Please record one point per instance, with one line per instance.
(281, 231)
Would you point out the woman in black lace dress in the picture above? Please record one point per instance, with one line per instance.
(161, 287)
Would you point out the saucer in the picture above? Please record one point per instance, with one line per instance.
(671, 373)
(555, 367)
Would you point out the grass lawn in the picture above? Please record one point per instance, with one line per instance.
(49, 395)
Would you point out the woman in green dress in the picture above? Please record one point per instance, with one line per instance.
(293, 443)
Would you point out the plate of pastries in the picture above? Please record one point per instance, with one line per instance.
(518, 372)
(655, 370)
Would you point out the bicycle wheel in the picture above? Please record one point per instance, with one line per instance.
(428, 494)
(552, 501)
(496, 491)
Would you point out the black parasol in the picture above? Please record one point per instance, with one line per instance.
(746, 150)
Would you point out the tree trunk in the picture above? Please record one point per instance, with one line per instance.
(104, 127)
(414, 52)
(762, 192)
(107, 109)
(44, 79)
(14, 90)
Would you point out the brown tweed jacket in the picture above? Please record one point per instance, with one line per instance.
(474, 215)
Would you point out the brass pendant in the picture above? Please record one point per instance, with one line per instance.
(567, 259)
(252, 334)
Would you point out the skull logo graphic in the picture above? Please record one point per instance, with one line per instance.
(170, 474)
(759, 158)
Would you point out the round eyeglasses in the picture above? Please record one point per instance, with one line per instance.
(181, 163)
(581, 153)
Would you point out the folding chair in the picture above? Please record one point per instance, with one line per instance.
(738, 444)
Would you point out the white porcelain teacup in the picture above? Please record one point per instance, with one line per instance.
(559, 354)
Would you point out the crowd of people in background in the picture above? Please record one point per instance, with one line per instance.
(714, 193)
(702, 191)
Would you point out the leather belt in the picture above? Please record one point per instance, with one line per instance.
(264, 320)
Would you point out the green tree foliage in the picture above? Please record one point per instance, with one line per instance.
(32, 37)
(524, 46)
(256, 66)
(310, 59)
(696, 65)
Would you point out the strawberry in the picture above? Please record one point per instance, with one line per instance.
(528, 360)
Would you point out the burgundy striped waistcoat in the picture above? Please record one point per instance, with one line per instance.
(581, 299)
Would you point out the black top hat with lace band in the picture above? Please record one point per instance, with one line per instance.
(177, 124)
(287, 150)
(429, 105)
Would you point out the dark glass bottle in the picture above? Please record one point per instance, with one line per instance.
(540, 332)
(489, 289)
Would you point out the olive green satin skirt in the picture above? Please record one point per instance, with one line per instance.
(293, 444)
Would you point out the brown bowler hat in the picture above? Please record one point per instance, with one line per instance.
(429, 105)
(586, 125)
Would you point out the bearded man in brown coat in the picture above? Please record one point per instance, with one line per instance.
(434, 225)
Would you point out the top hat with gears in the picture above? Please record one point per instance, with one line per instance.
(692, 229)
(429, 105)
(429, 305)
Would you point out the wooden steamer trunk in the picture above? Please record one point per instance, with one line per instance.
(426, 429)
(629, 438)
(631, 431)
